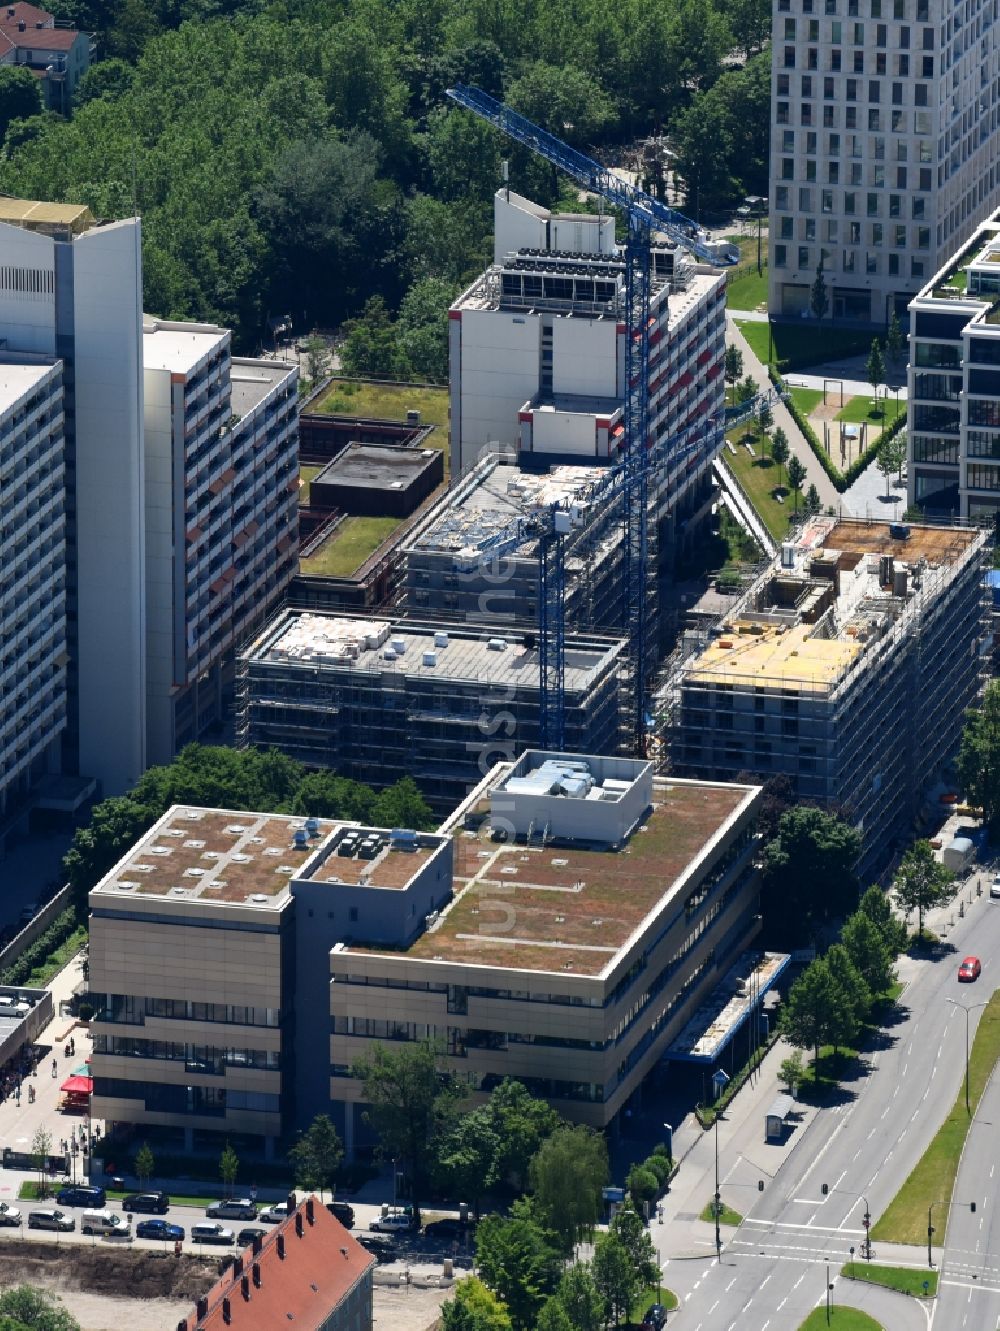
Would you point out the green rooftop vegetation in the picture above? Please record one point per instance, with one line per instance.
(343, 553)
(391, 402)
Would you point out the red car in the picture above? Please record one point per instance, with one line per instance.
(970, 969)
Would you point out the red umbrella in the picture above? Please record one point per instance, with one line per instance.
(78, 1085)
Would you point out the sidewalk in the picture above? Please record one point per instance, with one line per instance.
(815, 475)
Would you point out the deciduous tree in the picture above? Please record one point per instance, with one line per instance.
(780, 450)
(978, 763)
(808, 873)
(868, 952)
(567, 1175)
(581, 1298)
(875, 904)
(819, 300)
(316, 1156)
(615, 1277)
(517, 1258)
(808, 1015)
(628, 1227)
(229, 1167)
(473, 1307)
(921, 882)
(733, 364)
(796, 477)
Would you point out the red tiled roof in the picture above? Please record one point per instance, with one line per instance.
(320, 1266)
(23, 13)
(5, 44)
(42, 39)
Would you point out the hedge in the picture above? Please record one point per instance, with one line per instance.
(842, 480)
(41, 949)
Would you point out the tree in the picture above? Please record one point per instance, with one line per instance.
(808, 1016)
(808, 873)
(875, 367)
(854, 998)
(750, 21)
(517, 1258)
(875, 904)
(553, 1317)
(628, 1227)
(41, 1145)
(521, 1124)
(868, 952)
(703, 141)
(790, 1071)
(409, 1104)
(473, 1307)
(796, 477)
(746, 389)
(316, 1156)
(893, 337)
(25, 1307)
(764, 420)
(229, 1167)
(779, 449)
(567, 1175)
(921, 882)
(733, 364)
(813, 503)
(642, 1184)
(317, 359)
(371, 346)
(564, 100)
(819, 300)
(20, 95)
(580, 1297)
(144, 1164)
(423, 327)
(890, 457)
(615, 1277)
(468, 1155)
(978, 764)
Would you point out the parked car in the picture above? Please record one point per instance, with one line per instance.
(9, 1215)
(656, 1316)
(233, 1208)
(995, 888)
(50, 1218)
(210, 1231)
(151, 1203)
(77, 1195)
(448, 1228)
(343, 1212)
(394, 1223)
(160, 1229)
(106, 1223)
(273, 1215)
(381, 1245)
(246, 1236)
(970, 969)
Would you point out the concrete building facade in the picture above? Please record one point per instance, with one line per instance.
(33, 558)
(883, 125)
(953, 403)
(381, 699)
(221, 513)
(241, 962)
(848, 667)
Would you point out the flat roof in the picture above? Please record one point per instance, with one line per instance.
(377, 466)
(252, 380)
(177, 347)
(35, 212)
(495, 495)
(936, 544)
(17, 381)
(309, 639)
(727, 1007)
(573, 909)
(228, 856)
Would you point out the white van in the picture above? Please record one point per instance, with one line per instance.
(106, 1223)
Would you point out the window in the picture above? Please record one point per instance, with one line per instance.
(927, 39)
(848, 264)
(899, 237)
(858, 63)
(851, 117)
(831, 229)
(874, 90)
(871, 262)
(925, 178)
(829, 115)
(878, 149)
(787, 168)
(895, 205)
(835, 64)
(812, 58)
(809, 231)
(916, 208)
(849, 202)
(811, 143)
(833, 145)
(878, 176)
(923, 237)
(789, 30)
(897, 125)
(785, 228)
(855, 233)
(783, 88)
(927, 67)
(901, 177)
(899, 9)
(807, 114)
(810, 170)
(872, 205)
(859, 34)
(782, 113)
(828, 94)
(920, 94)
(812, 30)
(780, 256)
(788, 141)
(880, 63)
(904, 39)
(874, 121)
(805, 200)
(826, 201)
(881, 31)
(893, 265)
(803, 256)
(807, 85)
(851, 90)
(903, 66)
(835, 32)
(781, 196)
(916, 267)
(876, 233)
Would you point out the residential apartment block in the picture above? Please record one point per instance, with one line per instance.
(883, 129)
(848, 667)
(378, 699)
(57, 55)
(221, 446)
(562, 927)
(33, 558)
(953, 405)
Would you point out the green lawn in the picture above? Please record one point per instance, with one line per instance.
(390, 402)
(349, 546)
(933, 1178)
(906, 1279)
(748, 291)
(307, 474)
(726, 1217)
(859, 409)
(845, 1319)
(759, 478)
(653, 1295)
(806, 399)
(56, 960)
(806, 341)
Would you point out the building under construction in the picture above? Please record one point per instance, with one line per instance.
(847, 666)
(377, 700)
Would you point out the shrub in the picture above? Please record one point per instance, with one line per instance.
(658, 1165)
(642, 1184)
(36, 953)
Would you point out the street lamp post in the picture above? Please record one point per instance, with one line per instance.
(866, 1247)
(971, 1008)
(718, 1198)
(756, 204)
(668, 1129)
(828, 1288)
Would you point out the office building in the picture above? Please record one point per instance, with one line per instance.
(847, 667)
(378, 699)
(562, 927)
(953, 406)
(70, 290)
(33, 558)
(221, 516)
(883, 158)
(308, 1270)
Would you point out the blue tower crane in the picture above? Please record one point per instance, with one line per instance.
(629, 479)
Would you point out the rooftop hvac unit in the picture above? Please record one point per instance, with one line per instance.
(312, 826)
(389, 654)
(399, 646)
(430, 658)
(787, 554)
(300, 837)
(440, 640)
(496, 645)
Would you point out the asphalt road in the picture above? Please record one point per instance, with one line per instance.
(773, 1268)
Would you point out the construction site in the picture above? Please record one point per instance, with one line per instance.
(847, 666)
(378, 699)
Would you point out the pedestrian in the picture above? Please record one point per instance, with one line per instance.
(55, 1068)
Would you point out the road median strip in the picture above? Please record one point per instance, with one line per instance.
(904, 1279)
